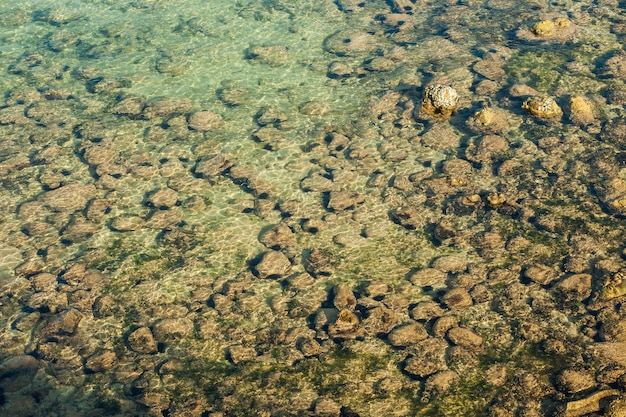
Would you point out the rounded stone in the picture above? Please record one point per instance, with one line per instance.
(163, 198)
(464, 337)
(205, 120)
(426, 310)
(278, 237)
(457, 298)
(543, 107)
(350, 42)
(571, 381)
(541, 274)
(273, 264)
(347, 326)
(168, 330)
(239, 353)
(407, 334)
(450, 263)
(581, 110)
(141, 340)
(439, 100)
(343, 297)
(429, 358)
(101, 361)
(17, 372)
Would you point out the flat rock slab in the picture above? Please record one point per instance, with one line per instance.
(71, 197)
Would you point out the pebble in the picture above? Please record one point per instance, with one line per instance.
(162, 107)
(129, 106)
(127, 223)
(279, 236)
(581, 110)
(438, 384)
(380, 320)
(426, 310)
(213, 165)
(318, 262)
(43, 282)
(444, 323)
(310, 347)
(163, 198)
(339, 70)
(350, 42)
(575, 287)
(450, 263)
(428, 277)
(274, 55)
(67, 322)
(51, 301)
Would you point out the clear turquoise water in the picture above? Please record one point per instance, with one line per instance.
(79, 274)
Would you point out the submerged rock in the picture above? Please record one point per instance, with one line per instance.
(319, 262)
(142, 341)
(69, 198)
(238, 354)
(273, 264)
(429, 358)
(343, 297)
(556, 30)
(407, 335)
(488, 120)
(279, 236)
(543, 107)
(344, 200)
(101, 361)
(347, 326)
(350, 42)
(615, 66)
(581, 110)
(437, 384)
(17, 372)
(274, 55)
(571, 381)
(204, 121)
(592, 404)
(166, 107)
(439, 101)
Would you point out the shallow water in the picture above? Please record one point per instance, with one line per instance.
(247, 208)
